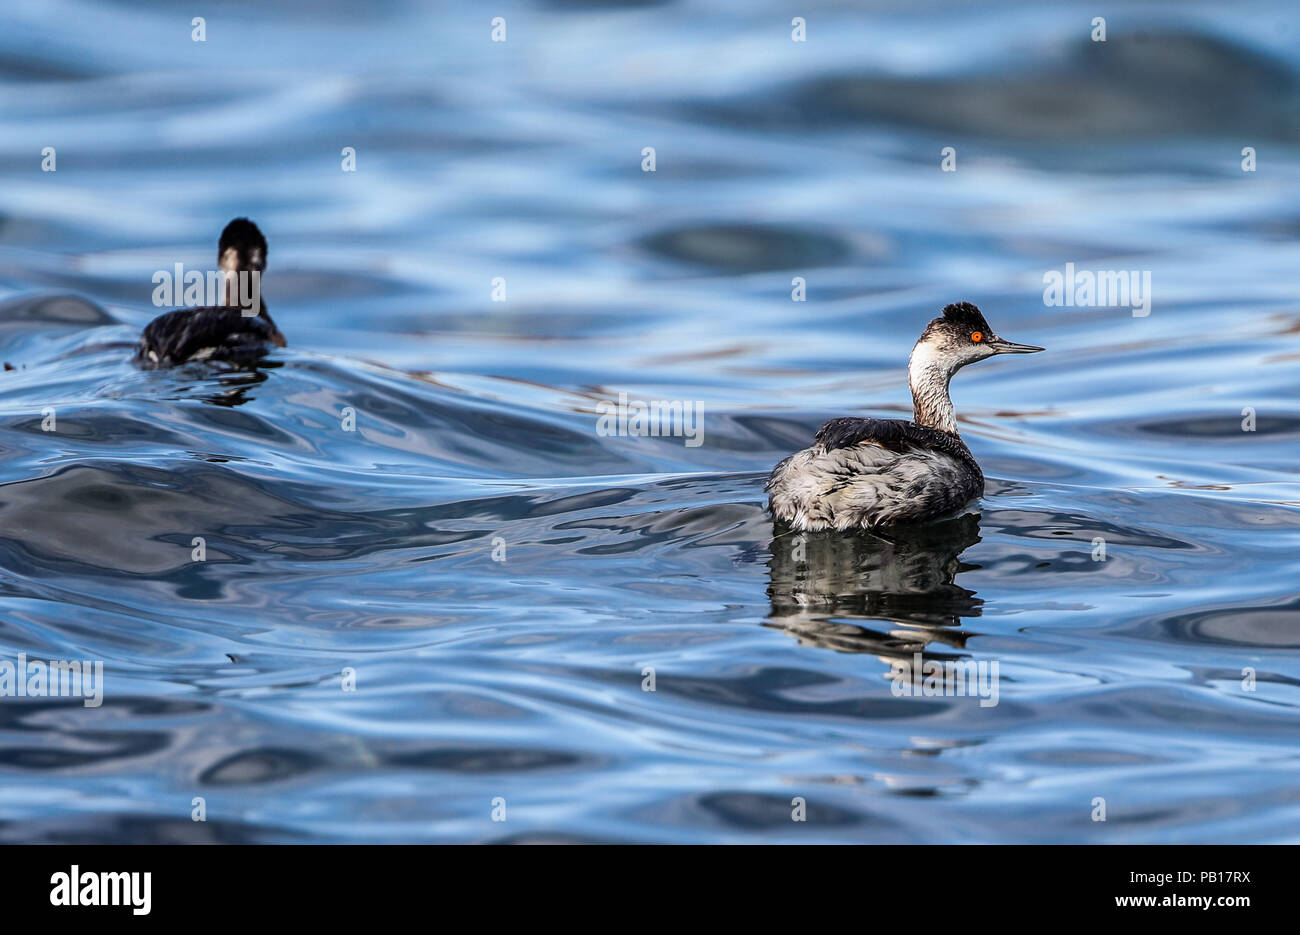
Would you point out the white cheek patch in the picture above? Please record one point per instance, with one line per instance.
(230, 260)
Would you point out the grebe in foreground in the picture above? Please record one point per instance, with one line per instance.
(221, 332)
(877, 472)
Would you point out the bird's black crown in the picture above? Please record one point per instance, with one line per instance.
(966, 315)
(242, 235)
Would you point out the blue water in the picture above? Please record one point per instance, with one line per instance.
(521, 680)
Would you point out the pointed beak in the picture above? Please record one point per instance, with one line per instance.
(999, 346)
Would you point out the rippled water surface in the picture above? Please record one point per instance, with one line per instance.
(475, 423)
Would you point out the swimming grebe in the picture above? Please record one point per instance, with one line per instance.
(877, 472)
(220, 332)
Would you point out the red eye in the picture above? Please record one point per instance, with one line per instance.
(977, 336)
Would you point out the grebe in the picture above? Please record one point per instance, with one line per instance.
(220, 332)
(877, 472)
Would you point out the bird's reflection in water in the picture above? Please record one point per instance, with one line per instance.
(889, 593)
(235, 384)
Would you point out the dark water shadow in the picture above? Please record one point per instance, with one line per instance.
(822, 584)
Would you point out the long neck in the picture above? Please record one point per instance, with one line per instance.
(928, 378)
